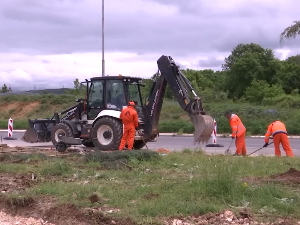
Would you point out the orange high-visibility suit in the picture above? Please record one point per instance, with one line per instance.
(130, 120)
(279, 132)
(239, 133)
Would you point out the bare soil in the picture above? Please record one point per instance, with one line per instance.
(13, 183)
(46, 207)
(19, 109)
(226, 217)
(292, 176)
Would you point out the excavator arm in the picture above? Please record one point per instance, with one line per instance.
(169, 74)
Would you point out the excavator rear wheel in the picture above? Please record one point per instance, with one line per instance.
(107, 134)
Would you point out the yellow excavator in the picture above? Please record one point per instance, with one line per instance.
(94, 121)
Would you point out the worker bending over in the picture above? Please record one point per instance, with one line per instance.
(238, 133)
(279, 132)
(130, 120)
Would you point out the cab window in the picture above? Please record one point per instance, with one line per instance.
(134, 93)
(96, 95)
(115, 97)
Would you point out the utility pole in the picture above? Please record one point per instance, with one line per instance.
(103, 61)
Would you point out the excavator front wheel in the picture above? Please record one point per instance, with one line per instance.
(107, 134)
(59, 130)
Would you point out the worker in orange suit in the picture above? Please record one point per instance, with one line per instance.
(238, 133)
(279, 132)
(130, 120)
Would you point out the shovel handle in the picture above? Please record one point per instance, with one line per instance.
(258, 149)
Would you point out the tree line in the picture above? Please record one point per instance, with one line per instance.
(250, 73)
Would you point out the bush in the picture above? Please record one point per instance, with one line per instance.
(284, 101)
(260, 89)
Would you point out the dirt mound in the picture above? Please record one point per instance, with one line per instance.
(290, 176)
(12, 183)
(226, 217)
(70, 214)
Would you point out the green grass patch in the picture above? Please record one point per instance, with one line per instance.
(179, 183)
(173, 119)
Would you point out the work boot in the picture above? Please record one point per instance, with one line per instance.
(235, 154)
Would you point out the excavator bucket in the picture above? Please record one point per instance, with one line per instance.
(204, 126)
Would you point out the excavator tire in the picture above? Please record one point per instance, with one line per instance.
(107, 134)
(60, 129)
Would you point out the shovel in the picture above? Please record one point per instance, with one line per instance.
(258, 149)
(227, 151)
(142, 138)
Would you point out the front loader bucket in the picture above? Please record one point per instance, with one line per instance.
(204, 126)
(31, 135)
(39, 130)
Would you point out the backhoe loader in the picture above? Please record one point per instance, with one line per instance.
(94, 121)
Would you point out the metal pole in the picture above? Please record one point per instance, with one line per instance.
(103, 61)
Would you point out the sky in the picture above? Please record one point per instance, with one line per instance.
(48, 44)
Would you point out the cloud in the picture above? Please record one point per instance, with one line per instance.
(50, 43)
(210, 62)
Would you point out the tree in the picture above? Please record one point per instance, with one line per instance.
(76, 84)
(4, 89)
(290, 32)
(246, 63)
(294, 59)
(288, 76)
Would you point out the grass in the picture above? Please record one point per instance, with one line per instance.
(172, 119)
(159, 186)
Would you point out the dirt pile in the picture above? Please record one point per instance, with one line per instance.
(162, 150)
(290, 176)
(225, 218)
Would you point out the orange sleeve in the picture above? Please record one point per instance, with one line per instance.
(233, 125)
(136, 119)
(268, 133)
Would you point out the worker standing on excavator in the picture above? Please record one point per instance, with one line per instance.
(130, 120)
(279, 132)
(238, 133)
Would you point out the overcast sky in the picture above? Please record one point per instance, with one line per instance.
(48, 44)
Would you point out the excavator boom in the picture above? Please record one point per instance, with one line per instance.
(169, 74)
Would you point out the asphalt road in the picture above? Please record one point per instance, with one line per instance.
(179, 143)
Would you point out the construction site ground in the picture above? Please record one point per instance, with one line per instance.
(42, 186)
